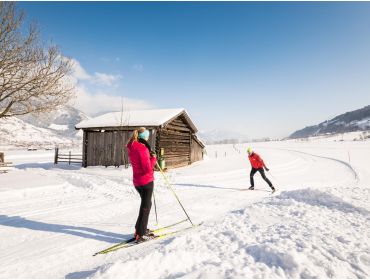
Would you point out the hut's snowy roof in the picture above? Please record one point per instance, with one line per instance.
(155, 117)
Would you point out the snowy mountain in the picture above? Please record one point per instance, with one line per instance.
(358, 120)
(44, 131)
(61, 122)
(15, 133)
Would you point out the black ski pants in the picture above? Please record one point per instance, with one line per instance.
(145, 193)
(262, 172)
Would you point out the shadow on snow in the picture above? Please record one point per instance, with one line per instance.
(84, 232)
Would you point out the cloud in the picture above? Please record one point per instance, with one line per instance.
(105, 79)
(100, 92)
(99, 102)
(78, 71)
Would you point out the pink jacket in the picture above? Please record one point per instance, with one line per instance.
(141, 162)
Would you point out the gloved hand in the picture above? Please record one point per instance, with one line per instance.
(266, 168)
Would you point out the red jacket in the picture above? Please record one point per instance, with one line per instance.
(256, 161)
(141, 162)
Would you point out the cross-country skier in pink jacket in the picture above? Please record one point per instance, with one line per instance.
(142, 162)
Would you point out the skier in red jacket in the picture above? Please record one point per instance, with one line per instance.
(142, 162)
(257, 165)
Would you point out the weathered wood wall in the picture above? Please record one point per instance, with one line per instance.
(196, 151)
(175, 139)
(108, 148)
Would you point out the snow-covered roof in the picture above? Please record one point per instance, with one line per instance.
(154, 117)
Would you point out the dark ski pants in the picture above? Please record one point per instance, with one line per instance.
(145, 193)
(262, 172)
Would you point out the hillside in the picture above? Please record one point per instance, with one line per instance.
(61, 122)
(358, 120)
(44, 131)
(15, 134)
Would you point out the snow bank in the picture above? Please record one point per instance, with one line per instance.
(298, 234)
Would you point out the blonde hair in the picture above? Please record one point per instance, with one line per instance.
(135, 135)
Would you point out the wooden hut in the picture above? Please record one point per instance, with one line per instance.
(171, 132)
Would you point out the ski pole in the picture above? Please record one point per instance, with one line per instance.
(273, 177)
(155, 209)
(170, 186)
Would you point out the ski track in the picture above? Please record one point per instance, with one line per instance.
(249, 244)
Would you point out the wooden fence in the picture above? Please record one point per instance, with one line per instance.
(4, 166)
(69, 157)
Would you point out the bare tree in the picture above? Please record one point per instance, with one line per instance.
(32, 77)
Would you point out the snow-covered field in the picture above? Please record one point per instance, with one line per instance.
(52, 219)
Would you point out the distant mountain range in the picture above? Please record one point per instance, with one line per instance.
(358, 120)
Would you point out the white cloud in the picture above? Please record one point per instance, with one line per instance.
(94, 103)
(92, 99)
(105, 79)
(81, 74)
(78, 71)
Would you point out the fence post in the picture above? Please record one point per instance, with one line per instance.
(69, 159)
(56, 155)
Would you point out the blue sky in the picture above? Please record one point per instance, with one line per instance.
(253, 68)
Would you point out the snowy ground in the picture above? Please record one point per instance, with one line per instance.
(52, 219)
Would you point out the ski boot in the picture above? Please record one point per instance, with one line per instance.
(272, 189)
(148, 232)
(141, 239)
(251, 188)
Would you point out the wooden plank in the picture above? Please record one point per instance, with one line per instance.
(172, 132)
(180, 119)
(177, 123)
(176, 144)
(166, 138)
(176, 148)
(177, 163)
(177, 155)
(168, 150)
(173, 157)
(182, 140)
(178, 128)
(174, 137)
(180, 144)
